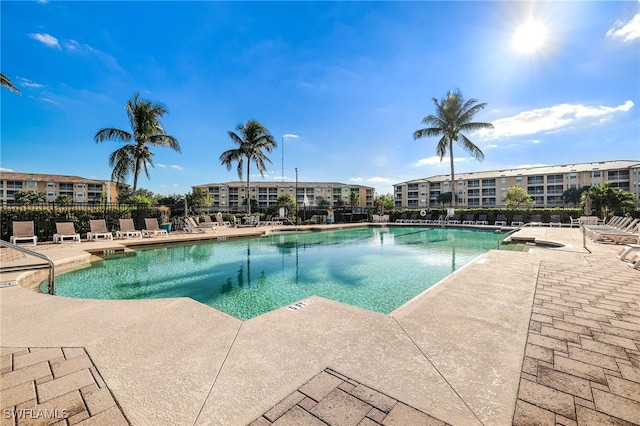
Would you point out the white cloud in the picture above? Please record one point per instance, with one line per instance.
(290, 136)
(378, 179)
(28, 83)
(627, 32)
(356, 179)
(176, 167)
(2, 169)
(160, 165)
(435, 161)
(551, 119)
(46, 39)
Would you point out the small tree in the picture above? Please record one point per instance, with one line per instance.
(572, 196)
(354, 199)
(605, 199)
(322, 203)
(516, 197)
(445, 197)
(199, 198)
(384, 202)
(30, 197)
(64, 200)
(287, 202)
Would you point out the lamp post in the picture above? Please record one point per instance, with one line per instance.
(296, 196)
(282, 151)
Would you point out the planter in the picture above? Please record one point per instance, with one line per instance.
(166, 227)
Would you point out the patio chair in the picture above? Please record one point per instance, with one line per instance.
(482, 220)
(221, 221)
(98, 230)
(501, 220)
(536, 220)
(128, 229)
(402, 218)
(191, 226)
(517, 220)
(23, 231)
(627, 252)
(575, 221)
(453, 220)
(65, 231)
(555, 220)
(208, 222)
(153, 228)
(469, 220)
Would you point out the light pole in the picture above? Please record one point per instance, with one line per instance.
(296, 196)
(282, 150)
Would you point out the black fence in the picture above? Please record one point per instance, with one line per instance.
(45, 216)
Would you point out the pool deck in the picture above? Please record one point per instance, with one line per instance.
(544, 336)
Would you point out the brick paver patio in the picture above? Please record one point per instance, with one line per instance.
(47, 386)
(333, 399)
(582, 360)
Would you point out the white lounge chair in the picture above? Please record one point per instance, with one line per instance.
(98, 230)
(128, 229)
(153, 228)
(23, 231)
(501, 220)
(65, 231)
(221, 221)
(517, 220)
(191, 226)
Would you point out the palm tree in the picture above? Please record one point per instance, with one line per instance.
(453, 116)
(252, 138)
(5, 82)
(146, 131)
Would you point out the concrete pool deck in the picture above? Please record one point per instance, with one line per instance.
(550, 336)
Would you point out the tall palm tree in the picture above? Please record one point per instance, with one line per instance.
(452, 117)
(252, 138)
(5, 82)
(147, 131)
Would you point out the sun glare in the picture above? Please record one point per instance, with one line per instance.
(529, 37)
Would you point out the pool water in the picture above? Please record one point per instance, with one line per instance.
(373, 268)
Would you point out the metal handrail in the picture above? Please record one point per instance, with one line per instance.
(52, 274)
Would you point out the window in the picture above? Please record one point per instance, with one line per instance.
(51, 184)
(488, 182)
(31, 184)
(535, 180)
(518, 178)
(503, 179)
(596, 174)
(14, 184)
(80, 185)
(51, 194)
(80, 194)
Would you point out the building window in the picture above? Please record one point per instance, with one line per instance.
(31, 184)
(51, 194)
(596, 174)
(51, 184)
(488, 182)
(518, 178)
(503, 179)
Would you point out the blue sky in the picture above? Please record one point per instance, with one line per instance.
(343, 84)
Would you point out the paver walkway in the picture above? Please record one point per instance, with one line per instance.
(333, 399)
(61, 386)
(582, 360)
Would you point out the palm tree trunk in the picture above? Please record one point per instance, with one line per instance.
(248, 189)
(453, 177)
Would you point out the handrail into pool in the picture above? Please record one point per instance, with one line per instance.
(51, 266)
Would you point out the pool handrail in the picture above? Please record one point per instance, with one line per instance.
(51, 266)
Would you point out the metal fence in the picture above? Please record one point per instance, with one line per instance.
(45, 216)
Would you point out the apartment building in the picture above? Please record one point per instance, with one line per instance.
(81, 190)
(230, 196)
(544, 184)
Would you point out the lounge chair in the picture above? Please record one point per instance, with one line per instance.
(221, 221)
(98, 230)
(128, 229)
(65, 231)
(555, 220)
(153, 228)
(428, 218)
(482, 220)
(501, 220)
(626, 253)
(517, 220)
(616, 236)
(469, 220)
(574, 221)
(536, 220)
(402, 218)
(23, 231)
(208, 222)
(634, 263)
(191, 226)
(453, 220)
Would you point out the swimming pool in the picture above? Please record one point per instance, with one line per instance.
(374, 268)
